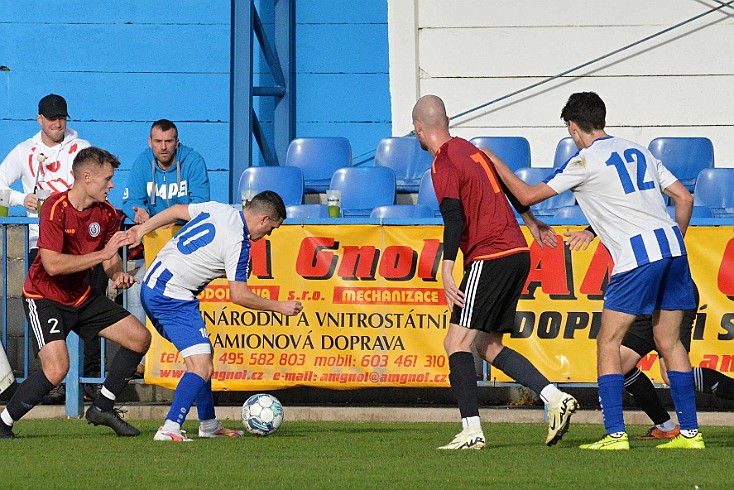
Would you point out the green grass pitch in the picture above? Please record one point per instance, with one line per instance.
(73, 454)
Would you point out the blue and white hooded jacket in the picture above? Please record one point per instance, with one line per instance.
(155, 189)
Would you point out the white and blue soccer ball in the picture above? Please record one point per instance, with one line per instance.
(262, 414)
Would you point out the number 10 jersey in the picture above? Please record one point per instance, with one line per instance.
(216, 242)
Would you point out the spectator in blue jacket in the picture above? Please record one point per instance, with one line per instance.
(165, 174)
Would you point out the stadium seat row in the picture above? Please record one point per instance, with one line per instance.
(314, 165)
(320, 157)
(574, 213)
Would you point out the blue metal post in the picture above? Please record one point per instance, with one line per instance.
(74, 401)
(4, 299)
(285, 48)
(244, 121)
(240, 118)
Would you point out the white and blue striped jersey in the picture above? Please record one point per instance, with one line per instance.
(618, 185)
(216, 242)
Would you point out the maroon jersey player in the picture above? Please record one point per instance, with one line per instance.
(78, 230)
(478, 220)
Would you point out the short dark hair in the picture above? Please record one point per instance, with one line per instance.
(269, 202)
(164, 125)
(94, 156)
(587, 110)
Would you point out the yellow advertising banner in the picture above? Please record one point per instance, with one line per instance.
(375, 314)
(560, 313)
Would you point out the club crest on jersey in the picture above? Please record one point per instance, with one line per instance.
(94, 229)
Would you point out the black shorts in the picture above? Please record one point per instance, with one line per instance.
(640, 339)
(492, 289)
(51, 321)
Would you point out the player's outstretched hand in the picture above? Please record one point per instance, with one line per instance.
(291, 308)
(134, 235)
(119, 239)
(123, 280)
(543, 234)
(578, 240)
(546, 235)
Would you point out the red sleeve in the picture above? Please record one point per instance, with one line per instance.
(51, 226)
(445, 181)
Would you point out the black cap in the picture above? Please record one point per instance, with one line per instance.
(52, 106)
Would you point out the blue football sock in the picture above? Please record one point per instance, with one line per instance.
(205, 402)
(611, 387)
(684, 398)
(186, 392)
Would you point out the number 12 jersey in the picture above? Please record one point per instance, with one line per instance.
(618, 185)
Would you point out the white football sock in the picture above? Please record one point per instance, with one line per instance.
(689, 433)
(471, 423)
(5, 416)
(171, 425)
(666, 426)
(551, 395)
(209, 425)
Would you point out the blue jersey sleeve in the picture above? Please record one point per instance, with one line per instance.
(136, 192)
(243, 263)
(198, 179)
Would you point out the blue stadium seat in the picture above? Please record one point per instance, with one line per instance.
(513, 150)
(565, 149)
(715, 190)
(572, 212)
(685, 157)
(402, 211)
(299, 211)
(407, 159)
(286, 181)
(698, 212)
(319, 158)
(363, 189)
(426, 194)
(534, 175)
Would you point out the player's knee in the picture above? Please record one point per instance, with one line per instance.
(665, 346)
(145, 341)
(139, 339)
(452, 345)
(447, 346)
(205, 371)
(55, 372)
(200, 365)
(608, 343)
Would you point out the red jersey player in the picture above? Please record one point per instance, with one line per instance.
(477, 218)
(78, 230)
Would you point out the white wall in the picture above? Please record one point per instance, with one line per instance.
(469, 52)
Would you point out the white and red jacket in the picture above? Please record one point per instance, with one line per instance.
(53, 174)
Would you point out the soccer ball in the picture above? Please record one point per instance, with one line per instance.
(262, 414)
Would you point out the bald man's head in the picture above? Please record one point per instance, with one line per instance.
(431, 113)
